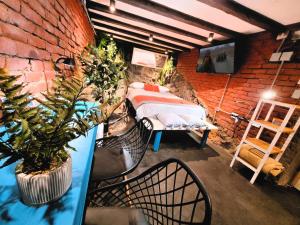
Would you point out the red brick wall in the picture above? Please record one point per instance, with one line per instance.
(34, 33)
(246, 85)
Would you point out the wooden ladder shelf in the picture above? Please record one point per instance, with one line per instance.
(267, 149)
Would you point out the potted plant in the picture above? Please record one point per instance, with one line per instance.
(105, 69)
(38, 134)
(165, 72)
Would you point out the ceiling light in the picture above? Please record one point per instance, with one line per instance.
(269, 94)
(111, 37)
(112, 6)
(166, 52)
(151, 37)
(210, 37)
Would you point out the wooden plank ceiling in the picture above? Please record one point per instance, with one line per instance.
(180, 25)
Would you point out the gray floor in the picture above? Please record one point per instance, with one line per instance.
(234, 199)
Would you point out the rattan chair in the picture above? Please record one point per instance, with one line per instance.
(116, 156)
(167, 193)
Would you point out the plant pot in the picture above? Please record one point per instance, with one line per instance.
(43, 188)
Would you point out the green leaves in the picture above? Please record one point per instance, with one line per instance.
(104, 67)
(40, 133)
(166, 71)
(10, 160)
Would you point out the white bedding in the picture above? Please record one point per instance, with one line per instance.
(171, 120)
(153, 109)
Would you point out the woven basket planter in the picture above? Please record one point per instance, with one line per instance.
(43, 188)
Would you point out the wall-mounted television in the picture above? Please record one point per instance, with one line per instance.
(217, 59)
(147, 58)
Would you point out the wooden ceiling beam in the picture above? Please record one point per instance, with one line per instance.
(140, 43)
(115, 22)
(125, 15)
(235, 9)
(294, 26)
(140, 36)
(120, 40)
(134, 40)
(182, 17)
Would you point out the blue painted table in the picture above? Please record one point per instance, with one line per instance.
(68, 210)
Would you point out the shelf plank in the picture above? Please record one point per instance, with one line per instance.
(273, 127)
(286, 105)
(262, 145)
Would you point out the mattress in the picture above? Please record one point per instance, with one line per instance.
(152, 109)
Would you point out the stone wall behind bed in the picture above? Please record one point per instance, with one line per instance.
(141, 74)
(178, 85)
(34, 33)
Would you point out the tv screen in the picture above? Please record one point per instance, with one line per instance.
(217, 59)
(146, 58)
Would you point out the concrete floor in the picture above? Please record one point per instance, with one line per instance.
(235, 201)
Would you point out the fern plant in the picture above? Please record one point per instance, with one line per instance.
(166, 71)
(39, 133)
(104, 67)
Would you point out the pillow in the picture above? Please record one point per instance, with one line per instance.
(171, 120)
(150, 87)
(163, 89)
(193, 121)
(137, 85)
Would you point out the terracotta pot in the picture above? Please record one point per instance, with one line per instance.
(43, 188)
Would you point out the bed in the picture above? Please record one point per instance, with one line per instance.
(168, 112)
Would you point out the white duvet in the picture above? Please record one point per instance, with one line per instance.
(153, 109)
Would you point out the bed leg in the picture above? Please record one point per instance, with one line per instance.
(204, 138)
(157, 141)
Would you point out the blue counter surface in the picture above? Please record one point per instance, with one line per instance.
(66, 211)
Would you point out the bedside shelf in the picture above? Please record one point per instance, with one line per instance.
(267, 151)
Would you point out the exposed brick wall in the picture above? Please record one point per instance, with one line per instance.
(246, 86)
(35, 33)
(254, 76)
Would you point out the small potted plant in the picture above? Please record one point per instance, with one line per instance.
(38, 135)
(166, 71)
